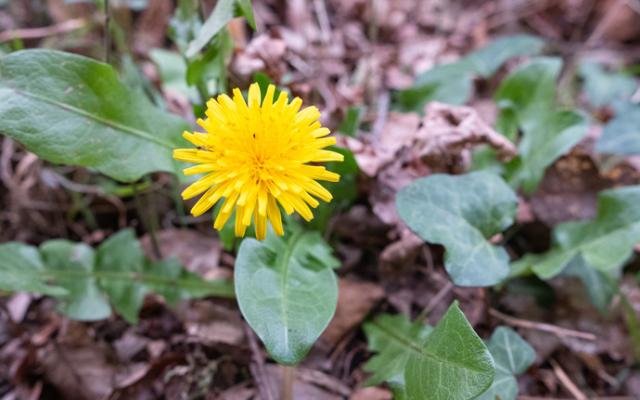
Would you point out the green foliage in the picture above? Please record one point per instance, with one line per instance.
(604, 88)
(344, 192)
(351, 122)
(621, 135)
(393, 338)
(512, 356)
(173, 71)
(462, 213)
(73, 110)
(593, 250)
(605, 242)
(224, 12)
(287, 291)
(527, 100)
(86, 281)
(449, 361)
(452, 83)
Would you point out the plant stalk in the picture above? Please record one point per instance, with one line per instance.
(288, 376)
(107, 31)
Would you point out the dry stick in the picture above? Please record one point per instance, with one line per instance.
(36, 33)
(541, 326)
(288, 376)
(434, 301)
(566, 381)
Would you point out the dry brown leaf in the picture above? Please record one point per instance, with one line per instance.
(355, 301)
(371, 393)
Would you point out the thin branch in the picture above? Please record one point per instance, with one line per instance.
(541, 326)
(46, 31)
(566, 381)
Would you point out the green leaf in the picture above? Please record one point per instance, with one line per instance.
(486, 61)
(73, 110)
(351, 122)
(287, 291)
(84, 301)
(394, 338)
(604, 243)
(512, 356)
(121, 254)
(601, 286)
(224, 12)
(453, 83)
(344, 192)
(604, 88)
(84, 280)
(622, 134)
(527, 97)
(461, 213)
(453, 362)
(173, 70)
(22, 270)
(448, 83)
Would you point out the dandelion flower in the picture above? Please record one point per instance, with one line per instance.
(257, 158)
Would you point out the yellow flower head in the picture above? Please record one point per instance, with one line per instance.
(258, 157)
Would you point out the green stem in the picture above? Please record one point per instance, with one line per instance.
(147, 223)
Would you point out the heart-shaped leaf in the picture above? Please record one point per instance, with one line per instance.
(73, 110)
(604, 243)
(461, 213)
(512, 356)
(287, 291)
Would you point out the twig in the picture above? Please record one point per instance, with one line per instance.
(46, 31)
(541, 326)
(566, 381)
(382, 112)
(434, 301)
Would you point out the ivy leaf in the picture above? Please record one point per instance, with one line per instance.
(74, 266)
(527, 99)
(224, 12)
(86, 282)
(73, 110)
(488, 60)
(453, 363)
(393, 337)
(512, 356)
(622, 134)
(604, 243)
(287, 291)
(22, 270)
(453, 83)
(461, 213)
(603, 87)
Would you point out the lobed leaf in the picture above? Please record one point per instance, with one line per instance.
(462, 213)
(86, 281)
